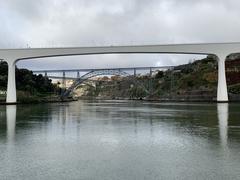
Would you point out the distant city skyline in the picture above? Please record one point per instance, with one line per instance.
(64, 23)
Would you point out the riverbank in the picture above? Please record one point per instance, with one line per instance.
(180, 98)
(58, 99)
(37, 99)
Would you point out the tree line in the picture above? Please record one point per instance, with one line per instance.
(27, 81)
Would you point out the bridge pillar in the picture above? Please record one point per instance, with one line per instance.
(64, 80)
(150, 71)
(222, 93)
(11, 85)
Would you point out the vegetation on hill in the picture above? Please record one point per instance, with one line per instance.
(193, 81)
(30, 87)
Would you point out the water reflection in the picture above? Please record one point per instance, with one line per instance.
(120, 140)
(222, 110)
(11, 122)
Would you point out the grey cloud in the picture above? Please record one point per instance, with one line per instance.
(27, 9)
(112, 22)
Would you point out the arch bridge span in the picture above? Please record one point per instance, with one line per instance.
(92, 74)
(123, 71)
(221, 50)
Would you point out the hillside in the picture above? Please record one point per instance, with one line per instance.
(195, 81)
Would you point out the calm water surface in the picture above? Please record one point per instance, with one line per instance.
(120, 140)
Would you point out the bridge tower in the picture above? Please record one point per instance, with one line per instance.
(64, 80)
(78, 74)
(134, 72)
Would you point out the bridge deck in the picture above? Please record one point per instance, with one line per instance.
(102, 69)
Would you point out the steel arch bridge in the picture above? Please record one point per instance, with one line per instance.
(92, 74)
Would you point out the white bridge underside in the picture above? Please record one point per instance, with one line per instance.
(221, 50)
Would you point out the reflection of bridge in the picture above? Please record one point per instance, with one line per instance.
(221, 50)
(78, 80)
(222, 114)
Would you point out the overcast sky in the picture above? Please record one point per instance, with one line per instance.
(59, 23)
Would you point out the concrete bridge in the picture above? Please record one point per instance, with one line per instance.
(221, 50)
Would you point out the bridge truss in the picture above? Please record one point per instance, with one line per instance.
(99, 72)
(90, 75)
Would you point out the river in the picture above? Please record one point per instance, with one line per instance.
(120, 140)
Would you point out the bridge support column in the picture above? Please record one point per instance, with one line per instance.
(150, 72)
(11, 85)
(134, 72)
(64, 80)
(222, 93)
